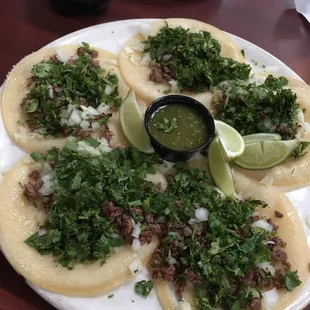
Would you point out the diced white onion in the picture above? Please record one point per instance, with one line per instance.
(185, 27)
(172, 261)
(42, 231)
(221, 193)
(75, 118)
(256, 213)
(146, 59)
(103, 108)
(104, 146)
(139, 46)
(267, 267)
(268, 242)
(50, 91)
(145, 30)
(202, 214)
(61, 56)
(85, 124)
(193, 221)
(136, 267)
(267, 180)
(270, 299)
(183, 305)
(95, 125)
(86, 149)
(89, 111)
(128, 50)
(108, 89)
(136, 245)
(136, 230)
(46, 169)
(113, 62)
(306, 126)
(300, 116)
(46, 189)
(262, 224)
(174, 85)
(37, 167)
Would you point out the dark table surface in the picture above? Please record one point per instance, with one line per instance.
(27, 25)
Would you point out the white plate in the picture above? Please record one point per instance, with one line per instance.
(112, 36)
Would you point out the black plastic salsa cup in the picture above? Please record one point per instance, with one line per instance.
(165, 152)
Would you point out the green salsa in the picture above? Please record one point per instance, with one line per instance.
(178, 127)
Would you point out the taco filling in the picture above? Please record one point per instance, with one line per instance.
(228, 250)
(70, 96)
(251, 108)
(189, 61)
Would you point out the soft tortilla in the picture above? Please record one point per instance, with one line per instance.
(293, 172)
(18, 221)
(15, 89)
(137, 76)
(291, 231)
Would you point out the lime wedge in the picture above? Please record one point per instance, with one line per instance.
(220, 169)
(262, 137)
(231, 140)
(133, 124)
(266, 154)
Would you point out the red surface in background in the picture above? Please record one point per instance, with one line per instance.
(27, 25)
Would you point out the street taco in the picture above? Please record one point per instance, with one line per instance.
(63, 91)
(276, 105)
(180, 55)
(216, 280)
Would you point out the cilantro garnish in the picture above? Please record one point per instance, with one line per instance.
(291, 279)
(57, 84)
(253, 108)
(167, 126)
(300, 150)
(193, 58)
(144, 288)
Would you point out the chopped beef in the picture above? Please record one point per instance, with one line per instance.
(81, 50)
(279, 279)
(283, 130)
(112, 211)
(54, 58)
(278, 256)
(52, 163)
(187, 231)
(95, 63)
(248, 277)
(126, 225)
(47, 201)
(84, 102)
(30, 191)
(156, 74)
(32, 127)
(279, 242)
(146, 236)
(71, 61)
(94, 54)
(255, 304)
(34, 175)
(192, 277)
(57, 89)
(165, 272)
(255, 218)
(108, 134)
(180, 286)
(158, 186)
(278, 214)
(149, 218)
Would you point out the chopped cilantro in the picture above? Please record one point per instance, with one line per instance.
(168, 126)
(93, 142)
(144, 288)
(252, 108)
(111, 296)
(193, 58)
(242, 52)
(291, 279)
(31, 105)
(300, 150)
(36, 156)
(35, 204)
